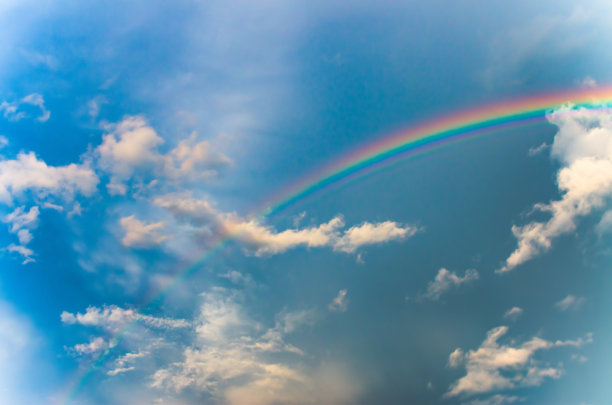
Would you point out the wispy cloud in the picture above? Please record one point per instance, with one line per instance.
(16, 111)
(513, 313)
(570, 303)
(447, 280)
(340, 302)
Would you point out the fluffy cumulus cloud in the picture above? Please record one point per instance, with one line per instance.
(131, 148)
(495, 367)
(237, 362)
(27, 173)
(447, 280)
(139, 234)
(27, 107)
(210, 225)
(583, 146)
(340, 302)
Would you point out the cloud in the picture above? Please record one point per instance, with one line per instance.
(94, 346)
(370, 234)
(123, 363)
(446, 280)
(513, 313)
(113, 319)
(536, 150)
(211, 225)
(588, 81)
(24, 251)
(21, 223)
(583, 146)
(131, 147)
(28, 173)
(14, 111)
(339, 303)
(494, 367)
(141, 235)
(570, 302)
(19, 218)
(3, 141)
(230, 360)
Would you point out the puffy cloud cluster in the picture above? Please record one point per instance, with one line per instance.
(211, 225)
(447, 280)
(494, 366)
(231, 360)
(131, 148)
(583, 146)
(28, 173)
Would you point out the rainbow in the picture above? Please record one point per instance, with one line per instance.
(432, 134)
(410, 142)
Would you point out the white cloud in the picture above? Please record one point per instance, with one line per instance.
(340, 302)
(570, 302)
(370, 234)
(494, 367)
(124, 363)
(513, 313)
(28, 173)
(3, 141)
(94, 346)
(536, 150)
(113, 319)
(211, 225)
(19, 218)
(131, 147)
(14, 111)
(583, 145)
(230, 360)
(446, 280)
(21, 223)
(141, 235)
(588, 81)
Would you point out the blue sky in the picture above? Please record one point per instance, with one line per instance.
(135, 136)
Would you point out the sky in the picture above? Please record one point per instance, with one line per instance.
(160, 244)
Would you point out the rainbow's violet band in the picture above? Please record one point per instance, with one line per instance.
(415, 140)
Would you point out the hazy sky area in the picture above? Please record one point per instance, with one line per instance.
(145, 144)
